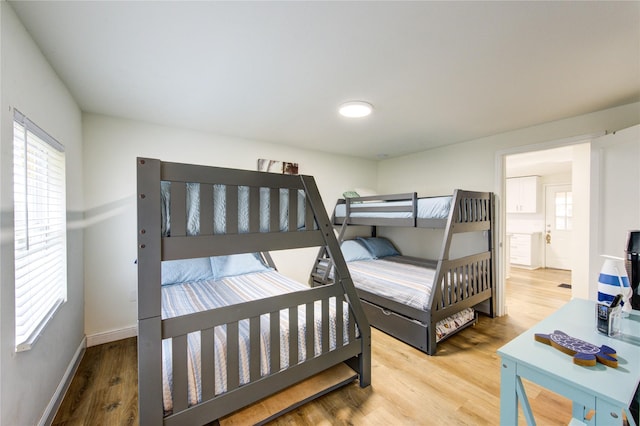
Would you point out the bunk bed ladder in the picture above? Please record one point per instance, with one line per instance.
(323, 264)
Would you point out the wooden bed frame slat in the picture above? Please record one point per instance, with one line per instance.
(293, 211)
(178, 172)
(293, 335)
(254, 209)
(232, 210)
(206, 209)
(310, 331)
(233, 357)
(207, 368)
(274, 200)
(351, 330)
(180, 383)
(339, 321)
(274, 337)
(325, 326)
(309, 220)
(219, 245)
(254, 348)
(179, 210)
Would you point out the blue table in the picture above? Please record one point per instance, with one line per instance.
(608, 391)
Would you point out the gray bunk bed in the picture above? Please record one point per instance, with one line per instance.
(452, 285)
(196, 365)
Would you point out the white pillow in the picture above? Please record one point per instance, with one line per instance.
(366, 192)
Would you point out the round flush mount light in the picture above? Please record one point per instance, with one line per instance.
(355, 109)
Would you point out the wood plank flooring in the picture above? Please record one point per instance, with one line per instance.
(458, 386)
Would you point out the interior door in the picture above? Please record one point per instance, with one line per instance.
(558, 226)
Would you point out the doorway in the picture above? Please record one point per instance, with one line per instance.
(555, 165)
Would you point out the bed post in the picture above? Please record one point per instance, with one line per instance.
(453, 212)
(492, 249)
(342, 275)
(149, 300)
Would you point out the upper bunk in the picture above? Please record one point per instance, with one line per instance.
(463, 211)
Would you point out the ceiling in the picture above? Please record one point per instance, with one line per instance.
(437, 73)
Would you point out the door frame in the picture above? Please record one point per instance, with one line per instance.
(500, 190)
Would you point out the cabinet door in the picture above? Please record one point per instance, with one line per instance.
(529, 194)
(513, 195)
(522, 194)
(520, 249)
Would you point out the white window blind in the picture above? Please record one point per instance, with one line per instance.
(39, 229)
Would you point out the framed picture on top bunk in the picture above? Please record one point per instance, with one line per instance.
(273, 166)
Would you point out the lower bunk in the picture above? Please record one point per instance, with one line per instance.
(421, 302)
(249, 338)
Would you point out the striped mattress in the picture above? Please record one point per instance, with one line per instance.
(185, 298)
(405, 283)
(401, 282)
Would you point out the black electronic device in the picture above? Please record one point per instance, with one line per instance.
(632, 265)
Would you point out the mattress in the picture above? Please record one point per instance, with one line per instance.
(427, 208)
(220, 209)
(401, 282)
(185, 298)
(407, 284)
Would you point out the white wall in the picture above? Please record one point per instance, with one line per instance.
(472, 164)
(580, 178)
(615, 202)
(30, 379)
(111, 146)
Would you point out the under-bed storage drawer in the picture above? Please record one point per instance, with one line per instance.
(406, 329)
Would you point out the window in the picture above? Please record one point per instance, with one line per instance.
(39, 229)
(564, 211)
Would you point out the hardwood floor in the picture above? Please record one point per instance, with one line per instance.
(458, 386)
(104, 390)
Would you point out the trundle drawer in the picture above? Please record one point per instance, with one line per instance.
(400, 327)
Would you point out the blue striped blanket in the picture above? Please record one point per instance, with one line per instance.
(404, 283)
(185, 298)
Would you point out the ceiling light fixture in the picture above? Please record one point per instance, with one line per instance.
(355, 109)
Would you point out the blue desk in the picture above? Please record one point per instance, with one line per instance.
(608, 391)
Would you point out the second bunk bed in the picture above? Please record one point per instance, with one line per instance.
(419, 301)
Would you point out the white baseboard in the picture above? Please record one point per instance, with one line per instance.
(111, 336)
(61, 390)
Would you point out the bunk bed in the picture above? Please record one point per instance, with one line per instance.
(446, 292)
(219, 327)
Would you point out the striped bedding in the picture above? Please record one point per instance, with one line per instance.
(405, 283)
(185, 298)
(427, 208)
(401, 282)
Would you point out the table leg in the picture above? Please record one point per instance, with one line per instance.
(522, 397)
(609, 414)
(508, 394)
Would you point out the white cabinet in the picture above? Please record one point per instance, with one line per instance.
(523, 194)
(524, 250)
